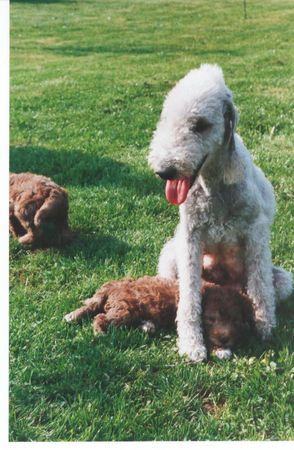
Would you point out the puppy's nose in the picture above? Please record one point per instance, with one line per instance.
(224, 339)
(170, 173)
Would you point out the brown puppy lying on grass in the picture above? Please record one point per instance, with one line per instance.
(38, 210)
(150, 303)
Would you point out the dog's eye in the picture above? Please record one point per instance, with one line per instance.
(201, 125)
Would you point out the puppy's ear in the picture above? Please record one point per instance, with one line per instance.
(233, 169)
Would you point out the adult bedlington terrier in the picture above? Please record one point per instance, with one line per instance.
(226, 204)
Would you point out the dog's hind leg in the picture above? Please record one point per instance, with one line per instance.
(260, 286)
(167, 264)
(283, 283)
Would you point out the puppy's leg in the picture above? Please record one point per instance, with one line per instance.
(24, 215)
(30, 238)
(167, 265)
(90, 307)
(15, 226)
(117, 315)
(100, 324)
(260, 278)
(189, 323)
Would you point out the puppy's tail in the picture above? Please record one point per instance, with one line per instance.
(283, 283)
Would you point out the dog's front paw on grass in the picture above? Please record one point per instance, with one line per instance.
(195, 353)
(264, 329)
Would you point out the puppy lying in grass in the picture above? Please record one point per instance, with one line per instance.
(150, 303)
(38, 210)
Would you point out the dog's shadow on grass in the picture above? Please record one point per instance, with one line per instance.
(78, 168)
(281, 338)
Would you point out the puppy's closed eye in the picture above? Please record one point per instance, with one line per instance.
(210, 320)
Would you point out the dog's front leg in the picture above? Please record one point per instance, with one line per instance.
(260, 279)
(189, 258)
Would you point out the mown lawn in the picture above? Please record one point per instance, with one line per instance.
(87, 83)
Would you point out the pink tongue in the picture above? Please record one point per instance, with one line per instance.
(176, 191)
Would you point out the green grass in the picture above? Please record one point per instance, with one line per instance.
(87, 84)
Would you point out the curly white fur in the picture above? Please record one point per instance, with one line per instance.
(230, 201)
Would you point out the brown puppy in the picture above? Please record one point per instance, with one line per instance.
(37, 206)
(150, 303)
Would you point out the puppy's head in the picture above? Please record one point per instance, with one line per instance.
(227, 316)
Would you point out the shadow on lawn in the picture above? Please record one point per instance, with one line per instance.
(95, 248)
(77, 168)
(42, 1)
(282, 335)
(129, 50)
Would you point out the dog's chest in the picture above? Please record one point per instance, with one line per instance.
(219, 214)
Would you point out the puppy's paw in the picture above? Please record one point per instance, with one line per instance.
(69, 317)
(195, 353)
(27, 239)
(148, 327)
(222, 353)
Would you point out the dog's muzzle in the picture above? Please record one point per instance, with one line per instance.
(170, 173)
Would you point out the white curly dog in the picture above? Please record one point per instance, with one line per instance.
(226, 203)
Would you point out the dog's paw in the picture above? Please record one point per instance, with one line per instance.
(223, 353)
(195, 353)
(264, 329)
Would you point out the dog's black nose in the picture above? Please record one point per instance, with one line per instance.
(168, 174)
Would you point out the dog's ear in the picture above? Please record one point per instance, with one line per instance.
(233, 169)
(230, 125)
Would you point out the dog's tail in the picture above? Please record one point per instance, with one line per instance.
(283, 283)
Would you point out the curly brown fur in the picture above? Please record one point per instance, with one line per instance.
(151, 303)
(37, 206)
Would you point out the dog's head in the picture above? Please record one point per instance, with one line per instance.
(198, 118)
(227, 316)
